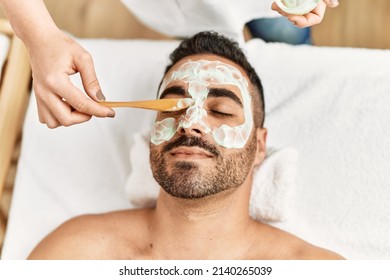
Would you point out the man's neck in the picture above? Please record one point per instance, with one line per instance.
(214, 227)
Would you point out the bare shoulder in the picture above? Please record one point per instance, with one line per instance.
(288, 246)
(93, 236)
(307, 251)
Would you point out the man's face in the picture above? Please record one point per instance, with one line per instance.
(211, 146)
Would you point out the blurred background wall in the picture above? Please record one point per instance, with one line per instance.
(355, 23)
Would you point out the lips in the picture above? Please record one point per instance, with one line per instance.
(190, 153)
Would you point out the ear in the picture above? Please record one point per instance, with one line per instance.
(261, 134)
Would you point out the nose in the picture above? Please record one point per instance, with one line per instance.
(193, 122)
(193, 130)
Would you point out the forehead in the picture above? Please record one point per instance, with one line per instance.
(197, 65)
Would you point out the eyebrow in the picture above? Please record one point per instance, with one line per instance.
(178, 90)
(222, 92)
(213, 92)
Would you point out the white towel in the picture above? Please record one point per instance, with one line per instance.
(272, 190)
(338, 121)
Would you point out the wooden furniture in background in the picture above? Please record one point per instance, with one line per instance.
(355, 23)
(14, 92)
(98, 18)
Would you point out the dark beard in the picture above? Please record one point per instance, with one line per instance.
(188, 180)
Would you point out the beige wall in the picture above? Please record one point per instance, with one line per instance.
(358, 23)
(97, 18)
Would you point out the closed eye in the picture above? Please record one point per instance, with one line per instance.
(222, 114)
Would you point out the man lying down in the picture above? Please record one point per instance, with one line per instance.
(203, 158)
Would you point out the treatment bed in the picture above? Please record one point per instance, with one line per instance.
(326, 178)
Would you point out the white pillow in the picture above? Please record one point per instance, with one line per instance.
(331, 104)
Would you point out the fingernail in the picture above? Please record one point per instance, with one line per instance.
(100, 96)
(111, 114)
(334, 3)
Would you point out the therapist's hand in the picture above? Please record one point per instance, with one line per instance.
(309, 19)
(54, 58)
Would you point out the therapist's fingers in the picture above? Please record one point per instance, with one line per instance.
(84, 65)
(309, 19)
(45, 116)
(79, 101)
(53, 59)
(64, 113)
(276, 8)
(77, 109)
(58, 112)
(313, 17)
(331, 3)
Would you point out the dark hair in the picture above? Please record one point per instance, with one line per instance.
(213, 43)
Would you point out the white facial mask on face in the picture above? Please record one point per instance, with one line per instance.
(200, 75)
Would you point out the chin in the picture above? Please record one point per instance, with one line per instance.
(191, 168)
(186, 165)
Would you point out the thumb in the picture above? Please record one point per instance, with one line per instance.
(84, 65)
(331, 3)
